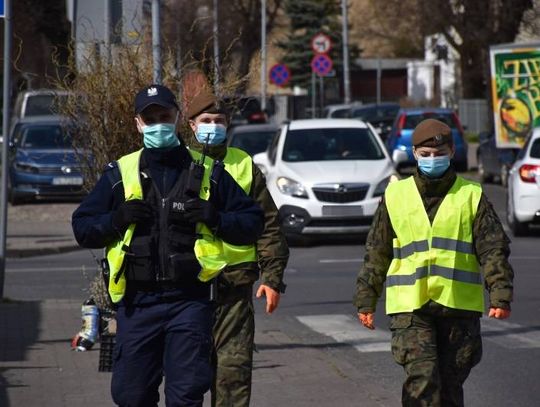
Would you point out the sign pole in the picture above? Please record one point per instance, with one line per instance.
(321, 94)
(346, 71)
(5, 142)
(313, 96)
(263, 55)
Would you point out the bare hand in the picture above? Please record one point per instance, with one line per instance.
(272, 297)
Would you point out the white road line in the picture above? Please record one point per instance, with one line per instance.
(346, 329)
(341, 260)
(509, 334)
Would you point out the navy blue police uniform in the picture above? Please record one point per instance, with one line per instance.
(165, 318)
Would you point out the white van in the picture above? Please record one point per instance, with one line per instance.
(39, 102)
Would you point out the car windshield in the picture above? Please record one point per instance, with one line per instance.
(38, 105)
(376, 114)
(252, 142)
(331, 144)
(413, 120)
(44, 136)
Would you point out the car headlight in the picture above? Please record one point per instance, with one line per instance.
(381, 186)
(289, 187)
(26, 168)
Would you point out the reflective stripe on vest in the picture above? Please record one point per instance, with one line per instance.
(239, 164)
(433, 260)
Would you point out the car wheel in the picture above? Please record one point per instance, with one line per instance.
(504, 175)
(484, 176)
(518, 228)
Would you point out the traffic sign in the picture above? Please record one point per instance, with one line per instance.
(321, 43)
(321, 64)
(280, 74)
(2, 8)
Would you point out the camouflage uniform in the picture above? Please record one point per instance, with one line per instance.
(436, 345)
(234, 327)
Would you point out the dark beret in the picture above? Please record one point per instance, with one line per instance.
(204, 102)
(432, 133)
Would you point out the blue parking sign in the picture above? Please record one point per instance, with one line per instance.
(2, 8)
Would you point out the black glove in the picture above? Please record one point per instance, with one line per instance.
(129, 212)
(199, 210)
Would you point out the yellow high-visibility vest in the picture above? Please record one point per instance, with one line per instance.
(433, 261)
(208, 249)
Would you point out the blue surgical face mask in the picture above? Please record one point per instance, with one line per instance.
(211, 132)
(434, 167)
(160, 135)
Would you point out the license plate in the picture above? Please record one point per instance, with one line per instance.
(67, 181)
(342, 210)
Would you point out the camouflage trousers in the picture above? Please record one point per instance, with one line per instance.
(437, 354)
(234, 331)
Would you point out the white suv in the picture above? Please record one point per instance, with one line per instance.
(523, 196)
(326, 176)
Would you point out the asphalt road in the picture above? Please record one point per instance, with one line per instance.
(316, 312)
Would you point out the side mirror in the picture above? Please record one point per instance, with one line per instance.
(399, 156)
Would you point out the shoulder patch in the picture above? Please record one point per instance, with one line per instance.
(111, 166)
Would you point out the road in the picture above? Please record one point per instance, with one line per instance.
(316, 317)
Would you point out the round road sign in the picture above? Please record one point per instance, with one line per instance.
(322, 64)
(280, 74)
(321, 43)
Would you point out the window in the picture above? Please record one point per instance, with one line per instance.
(252, 143)
(331, 144)
(414, 119)
(535, 149)
(44, 136)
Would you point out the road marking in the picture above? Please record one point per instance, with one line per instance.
(509, 334)
(42, 269)
(341, 260)
(346, 329)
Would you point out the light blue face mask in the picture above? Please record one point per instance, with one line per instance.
(434, 167)
(160, 135)
(211, 132)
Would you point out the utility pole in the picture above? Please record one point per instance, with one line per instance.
(216, 48)
(156, 41)
(5, 142)
(263, 55)
(107, 32)
(345, 41)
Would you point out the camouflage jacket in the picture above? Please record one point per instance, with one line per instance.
(490, 242)
(272, 249)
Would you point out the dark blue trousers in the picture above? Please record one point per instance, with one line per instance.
(171, 339)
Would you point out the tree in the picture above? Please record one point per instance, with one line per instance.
(471, 26)
(307, 18)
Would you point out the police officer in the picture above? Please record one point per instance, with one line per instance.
(234, 327)
(163, 217)
(431, 237)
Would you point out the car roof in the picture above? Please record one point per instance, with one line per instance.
(325, 124)
(37, 92)
(250, 128)
(384, 104)
(42, 119)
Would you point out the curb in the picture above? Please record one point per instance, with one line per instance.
(40, 251)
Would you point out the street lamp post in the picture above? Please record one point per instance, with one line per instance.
(263, 55)
(156, 41)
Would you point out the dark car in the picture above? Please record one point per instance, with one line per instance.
(245, 110)
(42, 161)
(381, 116)
(400, 137)
(494, 163)
(252, 138)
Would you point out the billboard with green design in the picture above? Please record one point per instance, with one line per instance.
(515, 89)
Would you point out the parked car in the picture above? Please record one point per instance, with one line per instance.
(381, 116)
(493, 163)
(326, 176)
(38, 102)
(245, 110)
(523, 192)
(42, 161)
(400, 137)
(252, 138)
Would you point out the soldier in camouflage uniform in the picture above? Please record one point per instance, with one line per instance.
(436, 343)
(234, 327)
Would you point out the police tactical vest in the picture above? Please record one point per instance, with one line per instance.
(207, 249)
(433, 261)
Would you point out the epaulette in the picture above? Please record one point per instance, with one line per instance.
(112, 171)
